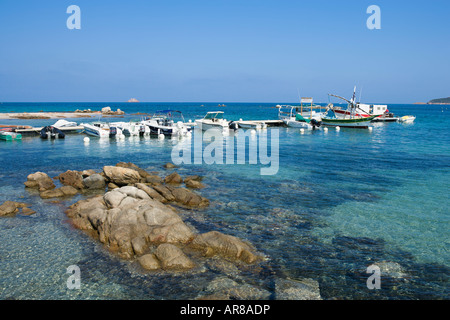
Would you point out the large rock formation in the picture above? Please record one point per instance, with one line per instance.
(131, 222)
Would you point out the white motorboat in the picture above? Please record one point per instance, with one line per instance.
(132, 128)
(252, 125)
(169, 123)
(215, 120)
(64, 124)
(407, 119)
(101, 129)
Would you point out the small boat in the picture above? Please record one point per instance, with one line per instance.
(407, 119)
(352, 117)
(215, 120)
(132, 128)
(64, 124)
(9, 136)
(101, 129)
(51, 132)
(252, 125)
(306, 117)
(168, 123)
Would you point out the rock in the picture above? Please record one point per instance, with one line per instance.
(391, 269)
(303, 289)
(154, 179)
(8, 208)
(214, 242)
(144, 174)
(12, 207)
(113, 198)
(139, 245)
(112, 186)
(55, 193)
(173, 178)
(194, 177)
(94, 181)
(106, 109)
(121, 176)
(165, 192)
(155, 195)
(28, 211)
(149, 262)
(39, 180)
(194, 184)
(188, 198)
(126, 223)
(172, 258)
(169, 165)
(68, 190)
(87, 173)
(133, 192)
(71, 178)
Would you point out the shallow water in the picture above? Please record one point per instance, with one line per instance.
(340, 202)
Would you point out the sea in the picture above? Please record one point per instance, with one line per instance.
(340, 202)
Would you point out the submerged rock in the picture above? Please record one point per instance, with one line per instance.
(12, 207)
(303, 289)
(215, 242)
(64, 191)
(173, 258)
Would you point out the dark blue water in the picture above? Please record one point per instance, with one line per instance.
(339, 202)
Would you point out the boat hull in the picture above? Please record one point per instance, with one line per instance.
(361, 123)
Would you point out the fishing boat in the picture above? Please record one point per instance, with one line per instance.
(101, 129)
(353, 117)
(407, 119)
(168, 123)
(215, 120)
(9, 135)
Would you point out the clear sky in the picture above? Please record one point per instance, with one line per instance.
(223, 50)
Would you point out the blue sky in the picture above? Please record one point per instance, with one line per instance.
(223, 51)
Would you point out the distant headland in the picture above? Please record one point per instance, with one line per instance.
(133, 100)
(436, 101)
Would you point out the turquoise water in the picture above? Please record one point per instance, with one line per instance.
(340, 202)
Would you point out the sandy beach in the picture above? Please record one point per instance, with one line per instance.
(47, 115)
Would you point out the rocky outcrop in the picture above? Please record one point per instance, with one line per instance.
(71, 178)
(40, 181)
(173, 178)
(9, 208)
(64, 191)
(131, 222)
(94, 181)
(214, 242)
(121, 176)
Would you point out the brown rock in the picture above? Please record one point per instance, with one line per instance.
(121, 176)
(68, 190)
(194, 184)
(188, 198)
(173, 178)
(39, 180)
(149, 262)
(172, 258)
(144, 174)
(55, 193)
(28, 211)
(8, 208)
(165, 192)
(218, 243)
(169, 165)
(154, 179)
(71, 178)
(151, 192)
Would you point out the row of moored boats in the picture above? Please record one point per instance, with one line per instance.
(356, 115)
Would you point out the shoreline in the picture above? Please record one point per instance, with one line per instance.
(46, 115)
